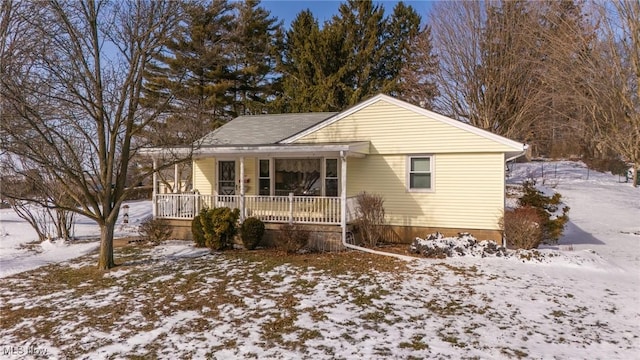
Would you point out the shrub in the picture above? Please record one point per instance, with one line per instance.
(155, 230)
(252, 230)
(612, 164)
(292, 238)
(552, 213)
(139, 193)
(523, 227)
(370, 216)
(197, 230)
(215, 228)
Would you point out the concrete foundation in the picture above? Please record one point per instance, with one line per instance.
(329, 237)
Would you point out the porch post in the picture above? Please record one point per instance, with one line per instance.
(343, 196)
(242, 189)
(154, 190)
(176, 181)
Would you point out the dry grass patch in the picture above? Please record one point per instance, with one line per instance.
(246, 304)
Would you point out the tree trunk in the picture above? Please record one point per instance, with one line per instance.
(636, 180)
(105, 260)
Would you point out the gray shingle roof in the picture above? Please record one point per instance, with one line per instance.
(263, 129)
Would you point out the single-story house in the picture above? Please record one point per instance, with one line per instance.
(434, 173)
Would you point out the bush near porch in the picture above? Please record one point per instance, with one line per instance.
(215, 228)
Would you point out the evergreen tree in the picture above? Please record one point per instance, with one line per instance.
(312, 63)
(356, 54)
(193, 71)
(362, 26)
(302, 64)
(256, 45)
(410, 65)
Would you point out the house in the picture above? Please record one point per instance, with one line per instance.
(434, 173)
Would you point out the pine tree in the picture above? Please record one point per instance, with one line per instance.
(410, 65)
(194, 72)
(313, 63)
(362, 26)
(256, 45)
(356, 55)
(302, 64)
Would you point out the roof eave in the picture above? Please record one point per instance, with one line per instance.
(352, 149)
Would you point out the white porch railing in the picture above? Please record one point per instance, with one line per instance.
(277, 209)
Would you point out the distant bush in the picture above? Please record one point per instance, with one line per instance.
(139, 193)
(370, 218)
(252, 231)
(292, 238)
(523, 227)
(155, 230)
(611, 164)
(552, 213)
(215, 228)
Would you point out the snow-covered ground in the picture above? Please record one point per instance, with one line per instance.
(15, 233)
(580, 300)
(604, 215)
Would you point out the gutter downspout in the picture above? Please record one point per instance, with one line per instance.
(343, 216)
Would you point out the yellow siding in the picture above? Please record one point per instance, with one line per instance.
(249, 173)
(395, 130)
(204, 174)
(468, 191)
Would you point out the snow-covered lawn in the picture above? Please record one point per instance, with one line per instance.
(176, 301)
(15, 234)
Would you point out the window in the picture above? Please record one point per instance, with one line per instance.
(420, 173)
(297, 176)
(331, 177)
(264, 178)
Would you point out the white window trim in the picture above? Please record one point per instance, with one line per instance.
(408, 173)
(258, 178)
(272, 164)
(324, 175)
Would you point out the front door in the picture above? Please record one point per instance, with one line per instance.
(226, 177)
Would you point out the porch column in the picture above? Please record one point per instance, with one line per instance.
(154, 190)
(242, 189)
(176, 181)
(343, 196)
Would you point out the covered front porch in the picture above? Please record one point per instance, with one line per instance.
(320, 210)
(296, 184)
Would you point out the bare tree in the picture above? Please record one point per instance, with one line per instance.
(613, 95)
(71, 88)
(487, 74)
(602, 81)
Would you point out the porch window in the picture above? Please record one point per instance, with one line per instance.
(264, 178)
(420, 173)
(298, 176)
(331, 177)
